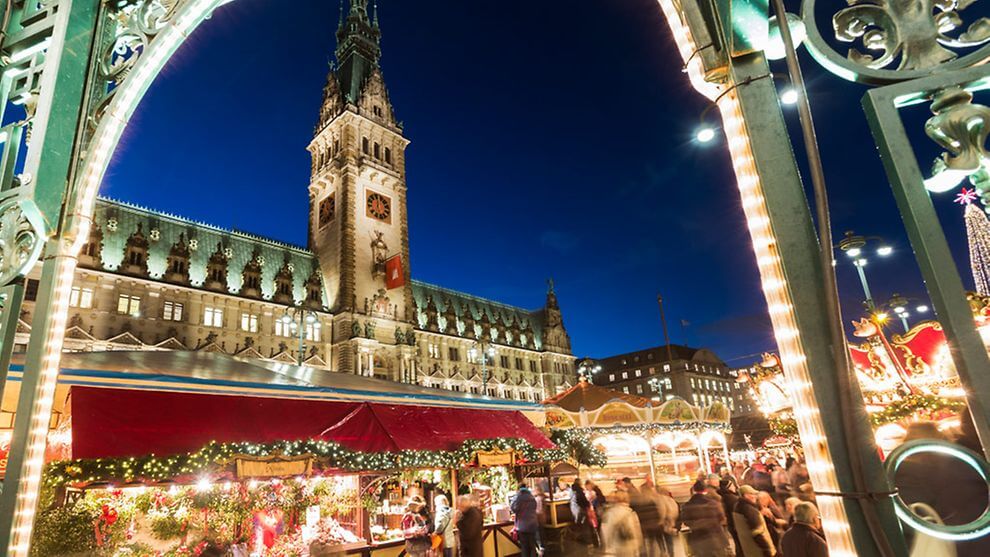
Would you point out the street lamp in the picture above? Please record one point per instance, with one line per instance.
(657, 385)
(900, 305)
(296, 320)
(587, 368)
(485, 350)
(854, 246)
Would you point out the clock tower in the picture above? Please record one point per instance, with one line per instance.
(358, 226)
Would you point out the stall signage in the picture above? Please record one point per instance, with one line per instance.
(496, 458)
(617, 415)
(273, 466)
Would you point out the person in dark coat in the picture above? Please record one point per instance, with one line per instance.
(470, 527)
(751, 527)
(705, 518)
(804, 539)
(727, 489)
(579, 503)
(527, 524)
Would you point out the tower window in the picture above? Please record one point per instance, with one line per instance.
(388, 155)
(365, 146)
(378, 151)
(328, 208)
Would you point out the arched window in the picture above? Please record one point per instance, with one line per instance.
(378, 151)
(388, 155)
(364, 145)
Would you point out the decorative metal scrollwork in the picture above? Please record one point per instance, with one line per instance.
(127, 31)
(896, 40)
(22, 237)
(960, 127)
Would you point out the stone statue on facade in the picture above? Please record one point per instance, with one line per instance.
(379, 253)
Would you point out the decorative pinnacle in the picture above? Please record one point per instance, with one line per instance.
(966, 196)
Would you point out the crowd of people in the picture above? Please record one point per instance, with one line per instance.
(747, 511)
(760, 510)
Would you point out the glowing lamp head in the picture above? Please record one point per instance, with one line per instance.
(789, 96)
(881, 317)
(774, 49)
(921, 309)
(705, 134)
(854, 252)
(884, 251)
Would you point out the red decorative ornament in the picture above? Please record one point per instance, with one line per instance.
(966, 196)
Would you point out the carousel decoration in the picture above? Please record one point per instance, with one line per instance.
(640, 439)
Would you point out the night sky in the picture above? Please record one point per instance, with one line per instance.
(549, 139)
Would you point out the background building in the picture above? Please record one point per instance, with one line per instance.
(695, 374)
(148, 280)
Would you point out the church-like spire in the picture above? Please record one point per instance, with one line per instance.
(358, 48)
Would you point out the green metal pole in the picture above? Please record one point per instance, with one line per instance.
(13, 296)
(50, 158)
(800, 254)
(938, 268)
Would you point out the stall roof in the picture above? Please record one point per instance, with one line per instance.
(201, 372)
(589, 397)
(124, 422)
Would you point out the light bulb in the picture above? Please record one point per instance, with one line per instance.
(704, 134)
(789, 96)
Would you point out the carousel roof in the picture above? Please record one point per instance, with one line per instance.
(589, 397)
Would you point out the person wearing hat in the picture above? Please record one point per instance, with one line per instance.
(705, 518)
(751, 528)
(415, 530)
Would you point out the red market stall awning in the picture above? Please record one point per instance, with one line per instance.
(380, 427)
(109, 423)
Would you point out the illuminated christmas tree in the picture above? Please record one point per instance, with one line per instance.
(978, 234)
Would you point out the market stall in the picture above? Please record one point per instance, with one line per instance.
(668, 444)
(160, 471)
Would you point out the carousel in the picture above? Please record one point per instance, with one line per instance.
(669, 444)
(904, 378)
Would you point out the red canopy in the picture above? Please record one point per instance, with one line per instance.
(110, 423)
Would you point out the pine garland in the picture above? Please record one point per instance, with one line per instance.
(912, 404)
(215, 456)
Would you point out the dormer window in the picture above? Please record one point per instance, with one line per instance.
(283, 285)
(136, 253)
(216, 270)
(377, 110)
(177, 265)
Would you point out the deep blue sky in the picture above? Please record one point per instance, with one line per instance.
(549, 138)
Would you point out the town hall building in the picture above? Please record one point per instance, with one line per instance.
(346, 303)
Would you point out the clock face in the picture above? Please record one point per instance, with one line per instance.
(379, 207)
(328, 208)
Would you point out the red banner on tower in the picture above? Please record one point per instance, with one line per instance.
(395, 275)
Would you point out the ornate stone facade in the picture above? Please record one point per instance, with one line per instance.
(153, 281)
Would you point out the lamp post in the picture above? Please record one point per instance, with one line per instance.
(656, 384)
(854, 246)
(587, 368)
(899, 304)
(484, 349)
(296, 319)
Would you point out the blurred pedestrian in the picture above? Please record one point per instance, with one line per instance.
(650, 519)
(541, 516)
(669, 515)
(579, 510)
(728, 490)
(751, 527)
(470, 527)
(443, 525)
(415, 530)
(773, 516)
(526, 522)
(621, 535)
(704, 517)
(804, 539)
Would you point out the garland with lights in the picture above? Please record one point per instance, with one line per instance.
(330, 455)
(913, 404)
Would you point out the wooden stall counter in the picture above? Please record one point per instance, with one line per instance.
(497, 543)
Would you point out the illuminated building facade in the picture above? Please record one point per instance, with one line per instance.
(148, 280)
(697, 375)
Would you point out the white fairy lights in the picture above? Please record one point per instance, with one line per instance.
(108, 133)
(775, 288)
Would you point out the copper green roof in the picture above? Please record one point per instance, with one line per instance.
(118, 221)
(525, 327)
